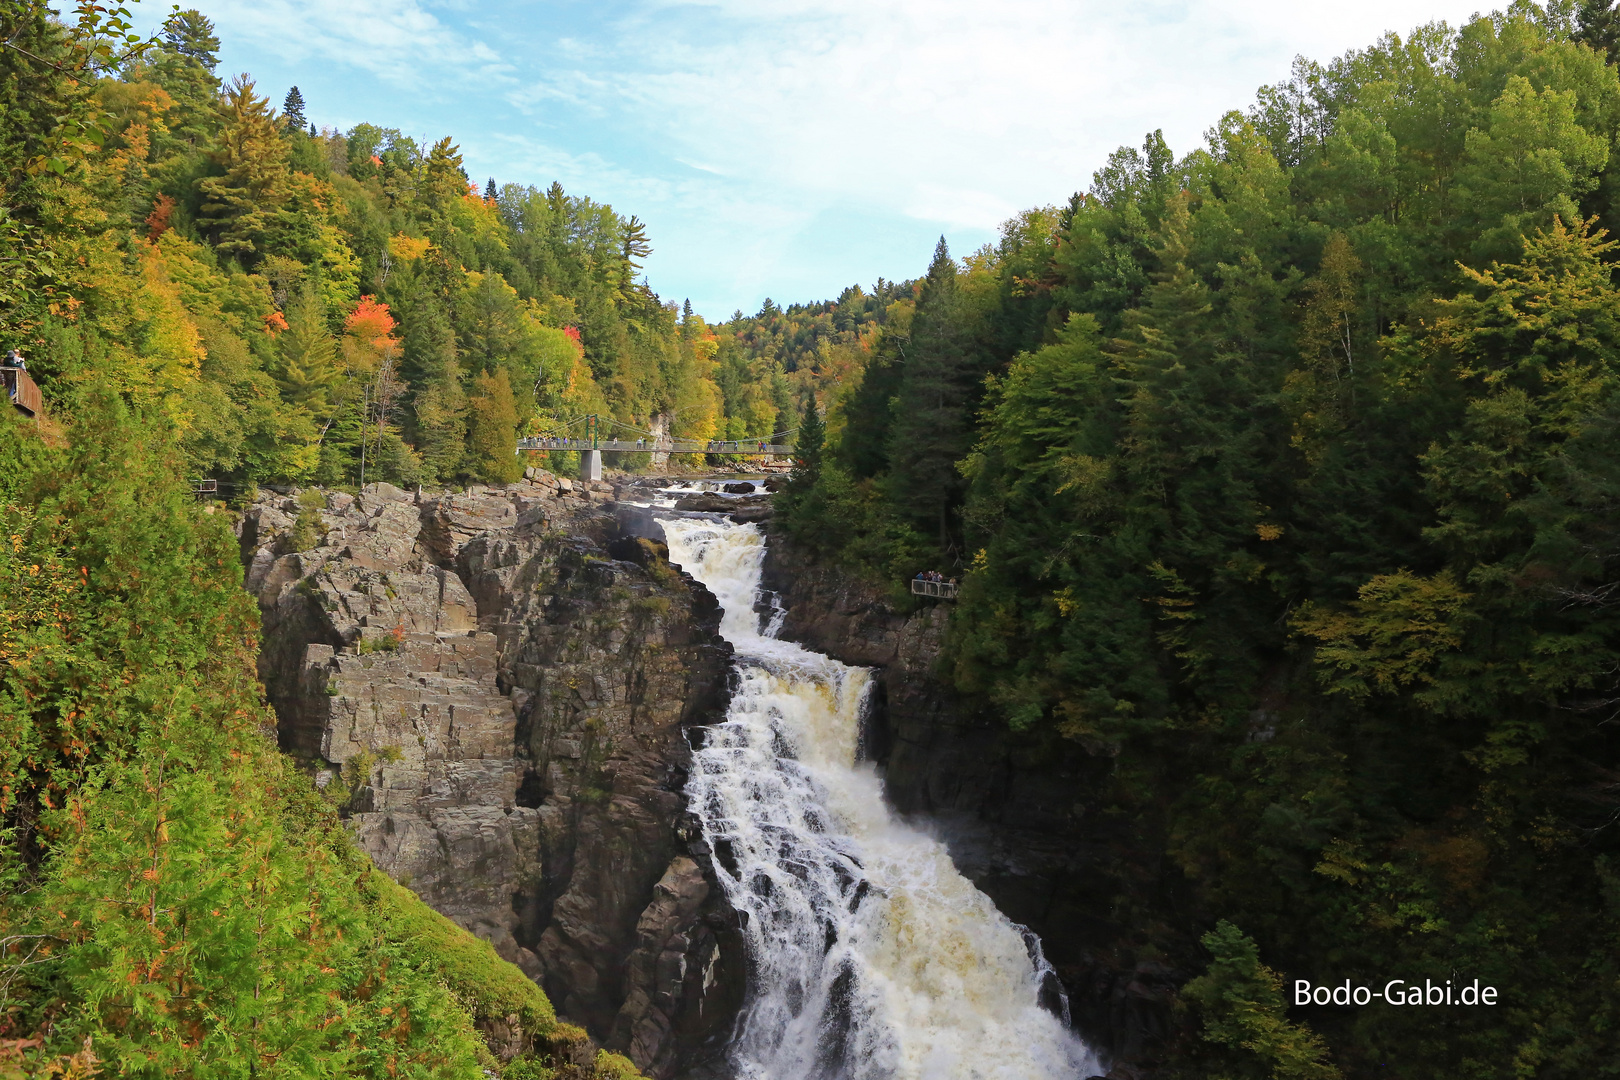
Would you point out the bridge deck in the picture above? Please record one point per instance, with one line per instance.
(748, 447)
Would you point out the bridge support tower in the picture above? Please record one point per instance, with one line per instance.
(590, 465)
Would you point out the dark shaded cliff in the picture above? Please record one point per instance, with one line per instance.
(1026, 817)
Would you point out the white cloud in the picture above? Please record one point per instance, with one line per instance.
(897, 103)
(396, 41)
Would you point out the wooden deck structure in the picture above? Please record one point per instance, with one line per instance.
(22, 390)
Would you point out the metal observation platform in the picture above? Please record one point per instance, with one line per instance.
(940, 590)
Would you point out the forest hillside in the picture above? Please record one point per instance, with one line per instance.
(1280, 473)
(1281, 477)
(307, 305)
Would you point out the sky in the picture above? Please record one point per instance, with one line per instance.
(789, 148)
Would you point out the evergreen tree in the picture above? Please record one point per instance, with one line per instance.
(800, 503)
(190, 34)
(863, 448)
(292, 111)
(491, 430)
(440, 427)
(445, 179)
(1598, 25)
(807, 446)
(308, 371)
(635, 244)
(184, 66)
(490, 192)
(241, 206)
(932, 427)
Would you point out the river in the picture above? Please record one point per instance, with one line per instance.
(871, 957)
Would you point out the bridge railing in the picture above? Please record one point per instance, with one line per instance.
(940, 590)
(658, 446)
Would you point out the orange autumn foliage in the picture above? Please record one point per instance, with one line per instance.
(157, 222)
(371, 323)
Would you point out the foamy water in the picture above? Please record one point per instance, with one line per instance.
(871, 956)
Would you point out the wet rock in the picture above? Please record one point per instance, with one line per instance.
(740, 487)
(740, 509)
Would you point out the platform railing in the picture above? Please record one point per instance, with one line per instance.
(22, 390)
(940, 590)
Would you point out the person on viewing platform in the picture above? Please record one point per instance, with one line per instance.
(14, 359)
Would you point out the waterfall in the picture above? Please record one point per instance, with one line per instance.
(871, 957)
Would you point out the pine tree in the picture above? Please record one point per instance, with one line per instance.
(190, 34)
(308, 369)
(292, 111)
(446, 179)
(799, 503)
(241, 206)
(807, 445)
(490, 191)
(635, 244)
(491, 430)
(1598, 24)
(933, 418)
(441, 426)
(863, 448)
(184, 67)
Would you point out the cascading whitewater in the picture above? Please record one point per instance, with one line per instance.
(871, 956)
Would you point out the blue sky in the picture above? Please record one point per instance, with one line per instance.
(786, 148)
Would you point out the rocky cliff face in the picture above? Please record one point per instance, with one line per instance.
(1026, 819)
(496, 686)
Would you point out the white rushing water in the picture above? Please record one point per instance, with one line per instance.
(871, 956)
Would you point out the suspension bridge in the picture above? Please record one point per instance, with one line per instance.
(754, 447)
(591, 440)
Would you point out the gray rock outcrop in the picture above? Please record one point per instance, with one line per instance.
(495, 686)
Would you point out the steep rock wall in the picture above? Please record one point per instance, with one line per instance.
(1026, 818)
(496, 685)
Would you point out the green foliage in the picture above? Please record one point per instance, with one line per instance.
(239, 208)
(799, 503)
(175, 898)
(492, 427)
(487, 986)
(311, 307)
(178, 898)
(1284, 494)
(1241, 1002)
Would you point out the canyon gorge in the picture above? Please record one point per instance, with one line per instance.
(523, 699)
